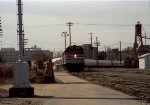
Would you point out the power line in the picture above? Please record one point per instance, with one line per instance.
(84, 24)
(124, 25)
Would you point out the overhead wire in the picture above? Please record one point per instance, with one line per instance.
(97, 24)
(88, 24)
(45, 42)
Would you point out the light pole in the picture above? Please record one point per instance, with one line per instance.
(64, 34)
(120, 51)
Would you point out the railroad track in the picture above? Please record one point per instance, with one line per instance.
(142, 90)
(135, 88)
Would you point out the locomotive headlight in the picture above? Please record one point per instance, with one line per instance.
(75, 56)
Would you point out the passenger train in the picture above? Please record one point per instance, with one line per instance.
(73, 58)
(103, 63)
(74, 61)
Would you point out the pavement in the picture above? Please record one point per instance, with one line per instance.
(75, 91)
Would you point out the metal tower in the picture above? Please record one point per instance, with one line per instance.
(21, 85)
(138, 44)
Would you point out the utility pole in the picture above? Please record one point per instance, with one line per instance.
(1, 45)
(64, 34)
(70, 24)
(145, 42)
(120, 52)
(105, 51)
(91, 44)
(145, 38)
(0, 27)
(138, 43)
(91, 38)
(21, 86)
(97, 44)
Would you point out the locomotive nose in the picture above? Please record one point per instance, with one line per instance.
(75, 55)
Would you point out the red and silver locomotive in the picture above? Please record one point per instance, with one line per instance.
(73, 58)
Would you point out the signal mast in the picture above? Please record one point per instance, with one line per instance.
(21, 85)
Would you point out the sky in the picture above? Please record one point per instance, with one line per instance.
(45, 20)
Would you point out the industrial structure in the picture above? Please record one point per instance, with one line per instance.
(90, 52)
(139, 48)
(10, 55)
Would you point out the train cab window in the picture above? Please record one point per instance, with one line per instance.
(74, 50)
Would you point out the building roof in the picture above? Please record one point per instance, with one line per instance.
(7, 49)
(144, 55)
(145, 47)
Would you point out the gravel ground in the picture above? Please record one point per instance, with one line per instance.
(19, 101)
(5, 100)
(6, 79)
(116, 78)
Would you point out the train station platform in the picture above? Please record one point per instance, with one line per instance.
(75, 91)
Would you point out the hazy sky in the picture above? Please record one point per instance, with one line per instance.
(44, 21)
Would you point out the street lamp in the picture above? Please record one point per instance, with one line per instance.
(64, 34)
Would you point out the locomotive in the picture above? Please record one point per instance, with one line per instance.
(73, 58)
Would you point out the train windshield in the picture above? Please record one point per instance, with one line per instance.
(74, 50)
